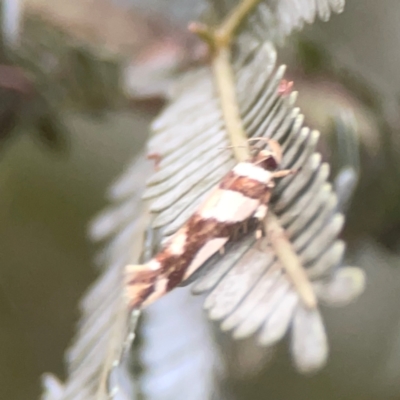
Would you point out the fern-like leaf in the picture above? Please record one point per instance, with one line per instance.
(273, 20)
(249, 289)
(103, 327)
(178, 350)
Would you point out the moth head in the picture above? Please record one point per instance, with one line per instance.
(269, 158)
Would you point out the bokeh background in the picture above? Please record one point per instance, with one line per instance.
(85, 114)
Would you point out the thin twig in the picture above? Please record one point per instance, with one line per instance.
(123, 326)
(290, 260)
(225, 33)
(219, 41)
(113, 358)
(225, 82)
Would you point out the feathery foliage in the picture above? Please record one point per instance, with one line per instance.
(250, 290)
(254, 287)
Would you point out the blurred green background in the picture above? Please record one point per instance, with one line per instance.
(47, 261)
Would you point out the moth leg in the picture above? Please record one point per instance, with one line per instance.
(283, 173)
(260, 215)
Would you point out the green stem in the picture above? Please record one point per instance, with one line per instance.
(225, 33)
(225, 82)
(290, 261)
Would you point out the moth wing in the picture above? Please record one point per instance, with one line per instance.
(143, 284)
(228, 206)
(207, 251)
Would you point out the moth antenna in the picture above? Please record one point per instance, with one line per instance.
(259, 139)
(276, 150)
(230, 147)
(275, 147)
(260, 161)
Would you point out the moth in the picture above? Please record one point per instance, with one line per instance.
(242, 195)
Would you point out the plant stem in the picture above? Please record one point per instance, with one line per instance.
(219, 41)
(290, 261)
(225, 82)
(225, 33)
